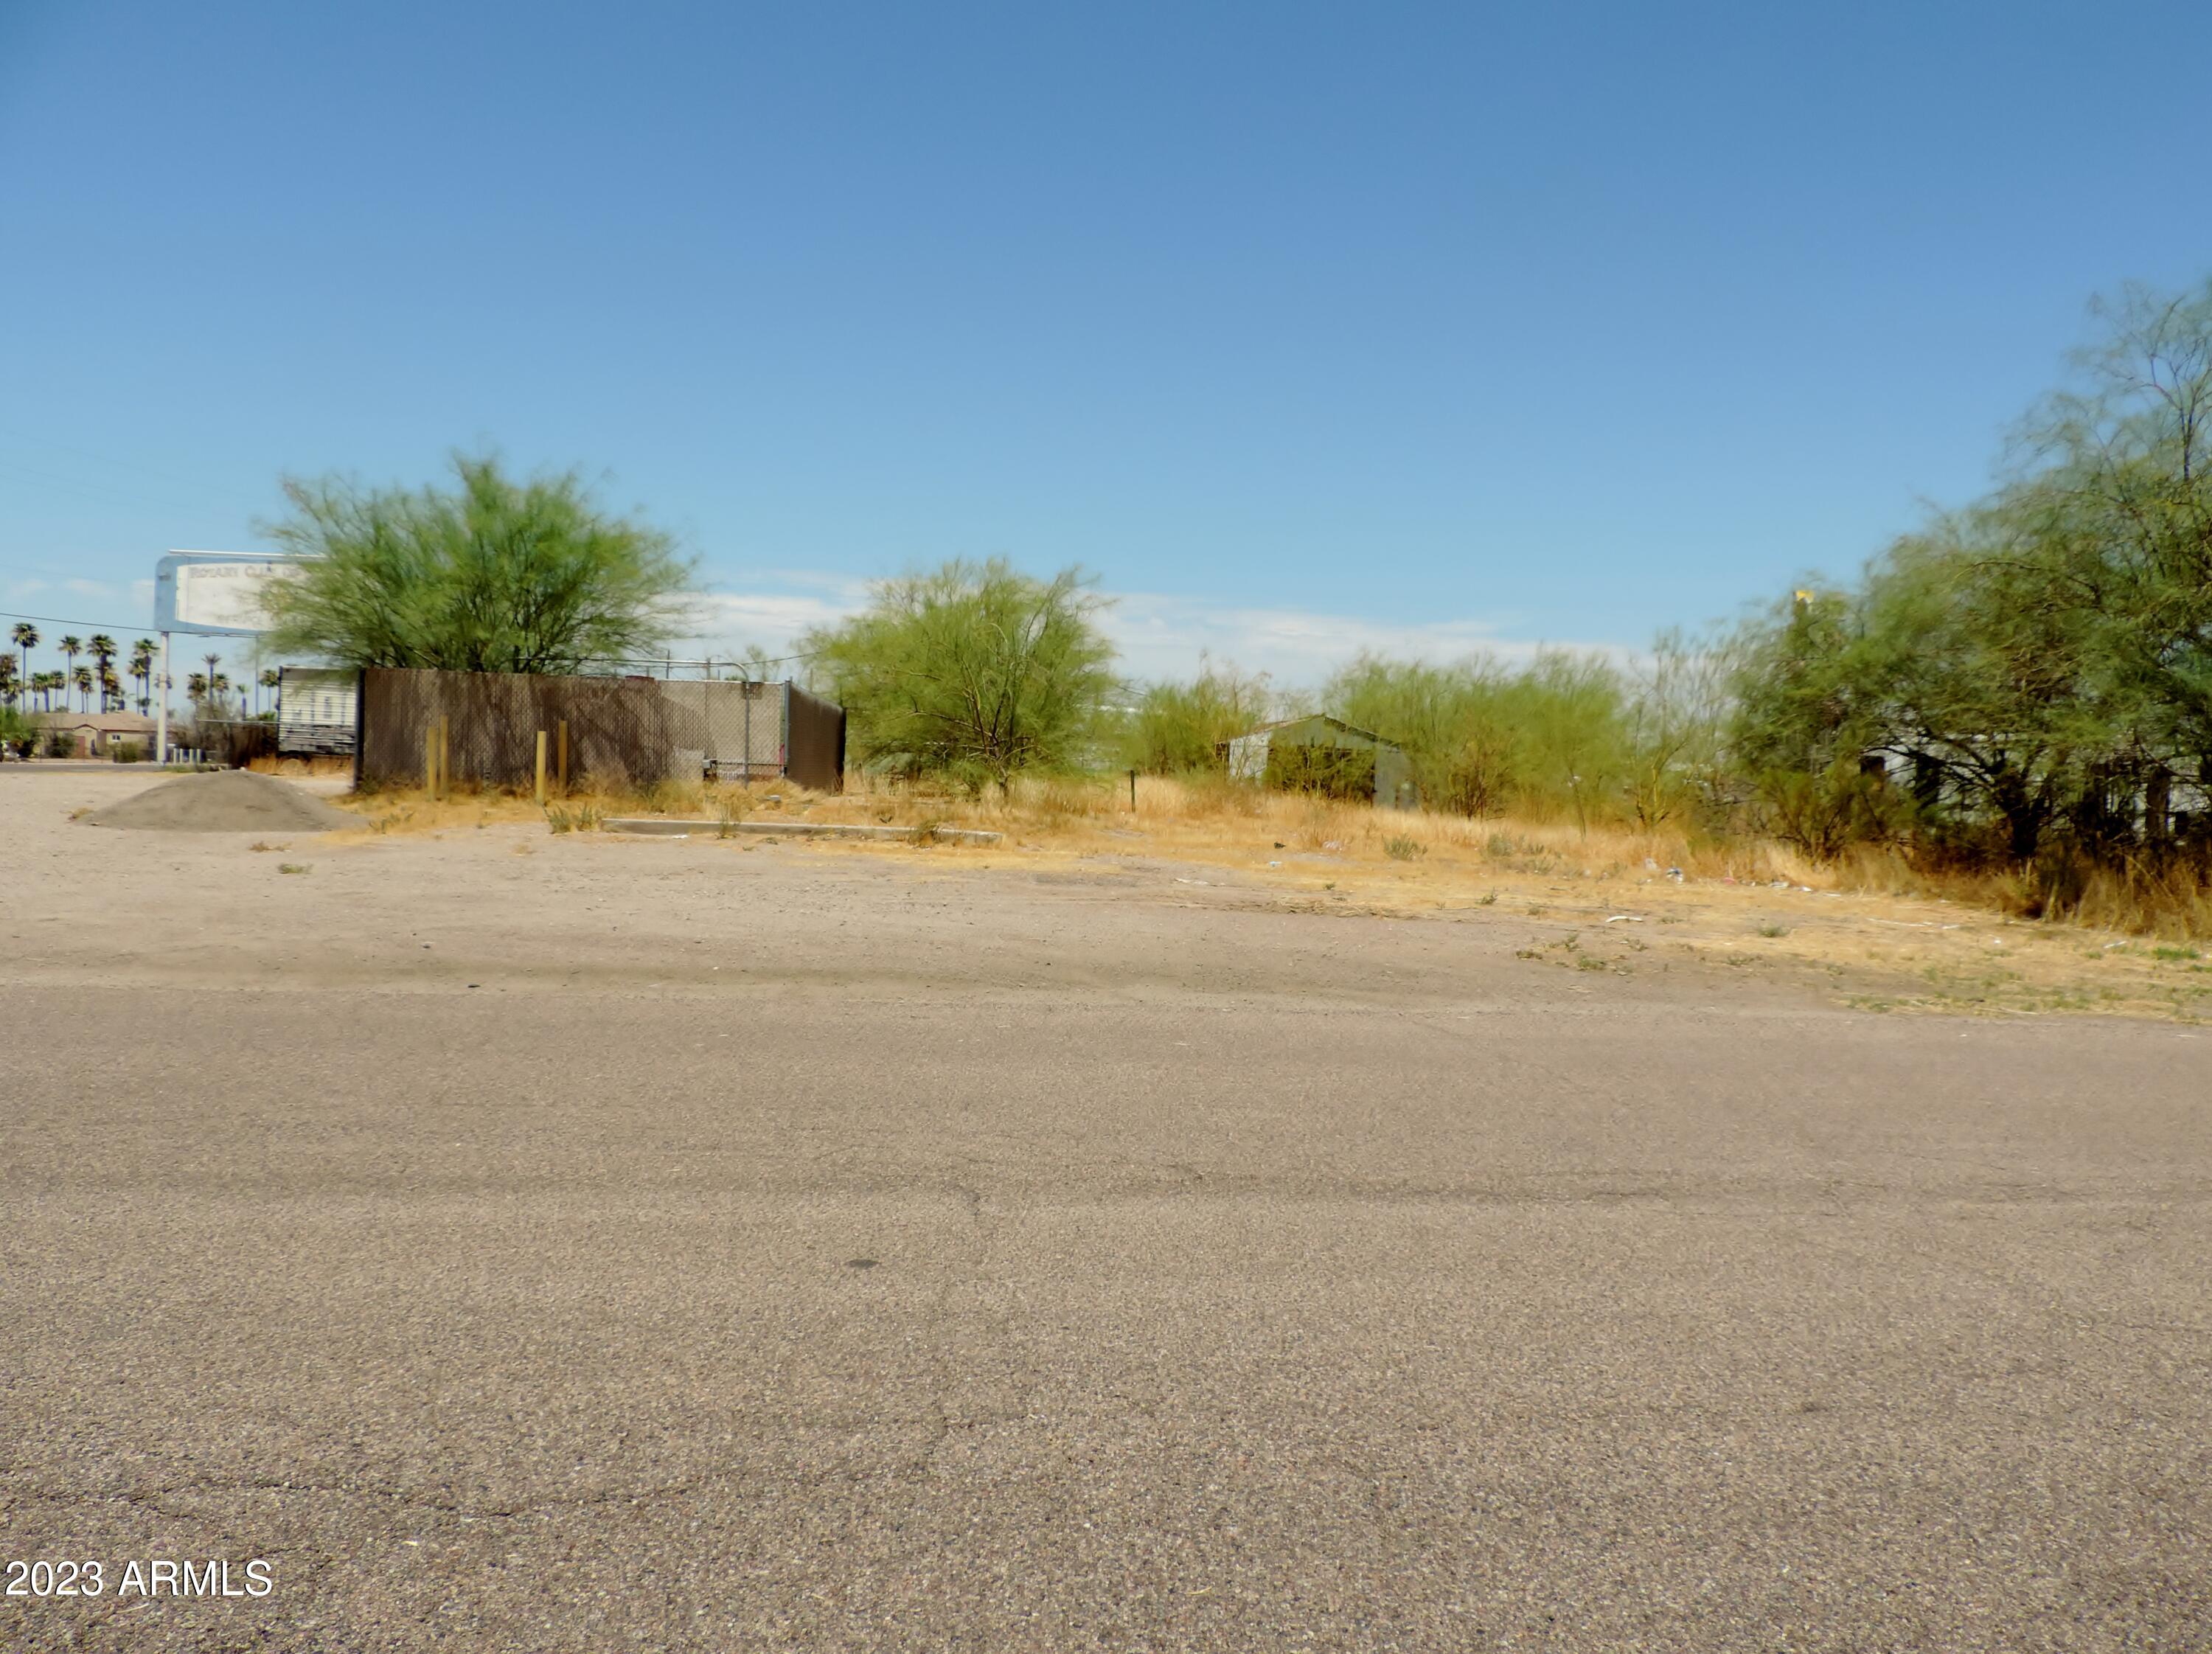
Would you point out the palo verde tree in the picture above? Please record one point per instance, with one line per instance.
(2039, 663)
(1545, 737)
(973, 671)
(1177, 728)
(492, 574)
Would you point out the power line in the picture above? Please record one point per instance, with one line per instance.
(58, 620)
(732, 660)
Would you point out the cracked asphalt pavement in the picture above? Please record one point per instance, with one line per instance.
(529, 1244)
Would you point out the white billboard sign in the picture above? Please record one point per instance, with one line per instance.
(215, 593)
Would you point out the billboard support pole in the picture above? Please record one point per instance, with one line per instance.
(161, 718)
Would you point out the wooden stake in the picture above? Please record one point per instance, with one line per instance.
(541, 769)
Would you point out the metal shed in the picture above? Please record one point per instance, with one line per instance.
(1328, 755)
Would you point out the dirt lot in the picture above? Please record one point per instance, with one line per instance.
(523, 1241)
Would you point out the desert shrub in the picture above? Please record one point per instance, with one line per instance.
(973, 673)
(1179, 728)
(1546, 739)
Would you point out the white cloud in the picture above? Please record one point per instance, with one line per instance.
(1161, 636)
(728, 623)
(1157, 635)
(89, 588)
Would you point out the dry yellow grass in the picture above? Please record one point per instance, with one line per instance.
(1604, 899)
(322, 766)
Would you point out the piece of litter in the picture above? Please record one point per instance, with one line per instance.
(1625, 918)
(1274, 864)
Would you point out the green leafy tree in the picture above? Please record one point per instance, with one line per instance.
(1483, 738)
(492, 574)
(2039, 664)
(1179, 728)
(974, 671)
(1805, 717)
(18, 735)
(2125, 511)
(1675, 736)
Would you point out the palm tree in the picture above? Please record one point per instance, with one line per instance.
(110, 690)
(195, 689)
(10, 686)
(142, 668)
(101, 648)
(71, 646)
(82, 677)
(269, 679)
(26, 636)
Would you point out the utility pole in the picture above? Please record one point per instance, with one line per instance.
(161, 719)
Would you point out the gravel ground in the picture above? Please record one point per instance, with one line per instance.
(532, 1243)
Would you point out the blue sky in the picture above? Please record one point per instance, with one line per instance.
(1308, 328)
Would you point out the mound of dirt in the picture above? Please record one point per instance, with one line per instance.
(224, 801)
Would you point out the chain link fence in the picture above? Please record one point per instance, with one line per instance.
(619, 732)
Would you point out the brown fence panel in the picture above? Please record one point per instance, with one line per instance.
(619, 728)
(234, 742)
(815, 746)
(622, 732)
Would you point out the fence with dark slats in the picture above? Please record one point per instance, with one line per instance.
(814, 754)
(622, 732)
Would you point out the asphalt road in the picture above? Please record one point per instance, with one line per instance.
(1080, 1269)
